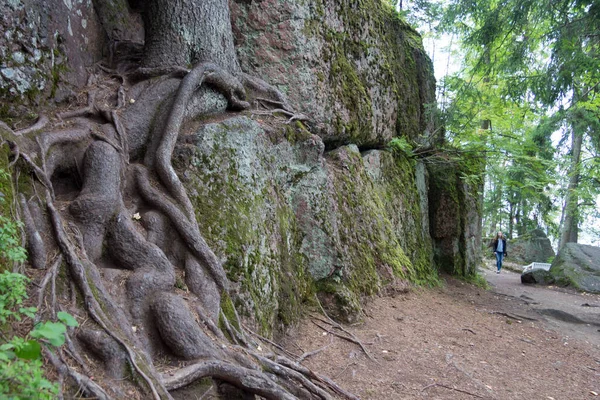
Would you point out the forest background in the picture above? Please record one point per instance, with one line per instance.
(518, 82)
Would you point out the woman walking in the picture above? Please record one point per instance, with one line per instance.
(499, 248)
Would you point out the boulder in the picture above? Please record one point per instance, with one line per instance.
(534, 246)
(537, 275)
(578, 265)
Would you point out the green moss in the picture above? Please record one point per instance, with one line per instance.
(374, 256)
(228, 311)
(373, 32)
(296, 132)
(247, 221)
(476, 279)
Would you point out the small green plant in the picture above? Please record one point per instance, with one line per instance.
(401, 145)
(476, 279)
(21, 367)
(10, 249)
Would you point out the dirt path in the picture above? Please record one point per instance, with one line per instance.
(462, 342)
(569, 312)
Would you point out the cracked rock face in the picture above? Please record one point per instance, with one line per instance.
(360, 72)
(282, 213)
(45, 50)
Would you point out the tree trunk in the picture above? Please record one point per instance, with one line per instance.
(185, 32)
(570, 225)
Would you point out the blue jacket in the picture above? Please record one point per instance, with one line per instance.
(495, 246)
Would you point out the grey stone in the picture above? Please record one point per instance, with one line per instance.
(537, 275)
(371, 63)
(18, 57)
(578, 265)
(281, 213)
(531, 247)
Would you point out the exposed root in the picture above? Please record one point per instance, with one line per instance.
(40, 124)
(247, 379)
(264, 339)
(292, 116)
(89, 110)
(195, 242)
(35, 245)
(100, 197)
(311, 374)
(351, 338)
(79, 274)
(141, 74)
(261, 89)
(284, 371)
(82, 381)
(4, 127)
(304, 356)
(50, 274)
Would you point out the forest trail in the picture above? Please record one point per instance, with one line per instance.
(462, 342)
(572, 313)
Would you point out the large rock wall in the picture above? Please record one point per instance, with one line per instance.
(45, 50)
(293, 210)
(455, 214)
(353, 66)
(289, 220)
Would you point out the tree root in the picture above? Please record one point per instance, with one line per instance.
(247, 379)
(263, 90)
(195, 242)
(79, 274)
(89, 110)
(313, 375)
(35, 244)
(452, 388)
(50, 274)
(100, 208)
(351, 338)
(292, 116)
(304, 356)
(40, 124)
(141, 74)
(264, 339)
(284, 371)
(89, 386)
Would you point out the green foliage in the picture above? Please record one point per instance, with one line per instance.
(13, 289)
(10, 249)
(401, 145)
(21, 367)
(476, 279)
(530, 74)
(24, 379)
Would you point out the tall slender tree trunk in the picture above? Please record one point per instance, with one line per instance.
(184, 32)
(569, 233)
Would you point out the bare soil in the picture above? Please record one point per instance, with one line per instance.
(463, 342)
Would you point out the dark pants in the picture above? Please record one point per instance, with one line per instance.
(499, 257)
